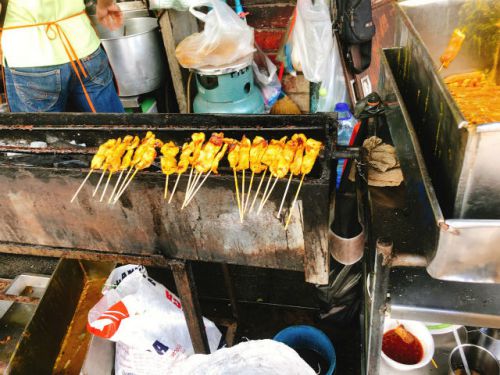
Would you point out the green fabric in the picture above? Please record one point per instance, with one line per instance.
(32, 47)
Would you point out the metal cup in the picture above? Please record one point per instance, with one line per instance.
(478, 359)
(489, 338)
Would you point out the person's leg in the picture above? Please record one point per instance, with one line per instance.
(37, 89)
(99, 84)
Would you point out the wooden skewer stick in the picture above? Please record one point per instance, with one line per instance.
(166, 188)
(175, 187)
(284, 195)
(249, 192)
(294, 201)
(265, 199)
(237, 193)
(99, 183)
(440, 68)
(124, 182)
(188, 186)
(81, 186)
(189, 191)
(258, 189)
(265, 191)
(198, 188)
(116, 186)
(125, 187)
(106, 187)
(243, 194)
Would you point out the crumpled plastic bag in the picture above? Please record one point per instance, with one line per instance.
(312, 39)
(257, 357)
(266, 78)
(225, 39)
(146, 321)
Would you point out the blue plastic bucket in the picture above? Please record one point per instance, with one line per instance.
(310, 338)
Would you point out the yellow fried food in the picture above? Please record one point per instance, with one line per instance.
(218, 158)
(296, 165)
(209, 152)
(130, 152)
(233, 156)
(168, 161)
(187, 150)
(257, 151)
(244, 159)
(272, 155)
(100, 156)
(285, 159)
(313, 148)
(109, 155)
(197, 141)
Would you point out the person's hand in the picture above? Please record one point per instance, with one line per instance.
(110, 16)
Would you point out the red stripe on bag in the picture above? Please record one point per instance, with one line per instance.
(108, 323)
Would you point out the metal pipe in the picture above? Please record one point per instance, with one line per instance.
(346, 152)
(378, 306)
(409, 260)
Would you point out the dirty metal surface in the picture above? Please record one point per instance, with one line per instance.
(43, 340)
(36, 188)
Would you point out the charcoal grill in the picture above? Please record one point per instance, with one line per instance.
(36, 186)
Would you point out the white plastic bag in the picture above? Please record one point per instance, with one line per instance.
(146, 319)
(225, 39)
(333, 87)
(257, 357)
(265, 75)
(312, 39)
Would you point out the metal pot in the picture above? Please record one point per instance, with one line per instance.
(137, 57)
(489, 338)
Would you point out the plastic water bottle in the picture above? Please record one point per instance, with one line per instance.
(346, 123)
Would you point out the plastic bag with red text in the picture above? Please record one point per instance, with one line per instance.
(144, 317)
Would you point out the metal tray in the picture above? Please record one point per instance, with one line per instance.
(456, 248)
(461, 158)
(56, 340)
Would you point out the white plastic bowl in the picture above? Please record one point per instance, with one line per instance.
(420, 331)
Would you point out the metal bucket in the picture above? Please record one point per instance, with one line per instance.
(137, 57)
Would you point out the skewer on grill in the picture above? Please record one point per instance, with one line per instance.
(132, 159)
(259, 146)
(294, 201)
(168, 162)
(312, 149)
(243, 165)
(96, 163)
(196, 146)
(143, 157)
(273, 158)
(208, 154)
(258, 190)
(295, 165)
(233, 158)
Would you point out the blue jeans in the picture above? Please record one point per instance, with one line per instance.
(57, 88)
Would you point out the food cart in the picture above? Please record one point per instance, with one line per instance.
(418, 261)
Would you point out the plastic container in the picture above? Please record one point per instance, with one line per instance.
(420, 331)
(346, 123)
(306, 338)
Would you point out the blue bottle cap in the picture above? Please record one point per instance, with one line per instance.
(341, 107)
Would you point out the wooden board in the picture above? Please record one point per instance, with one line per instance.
(175, 26)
